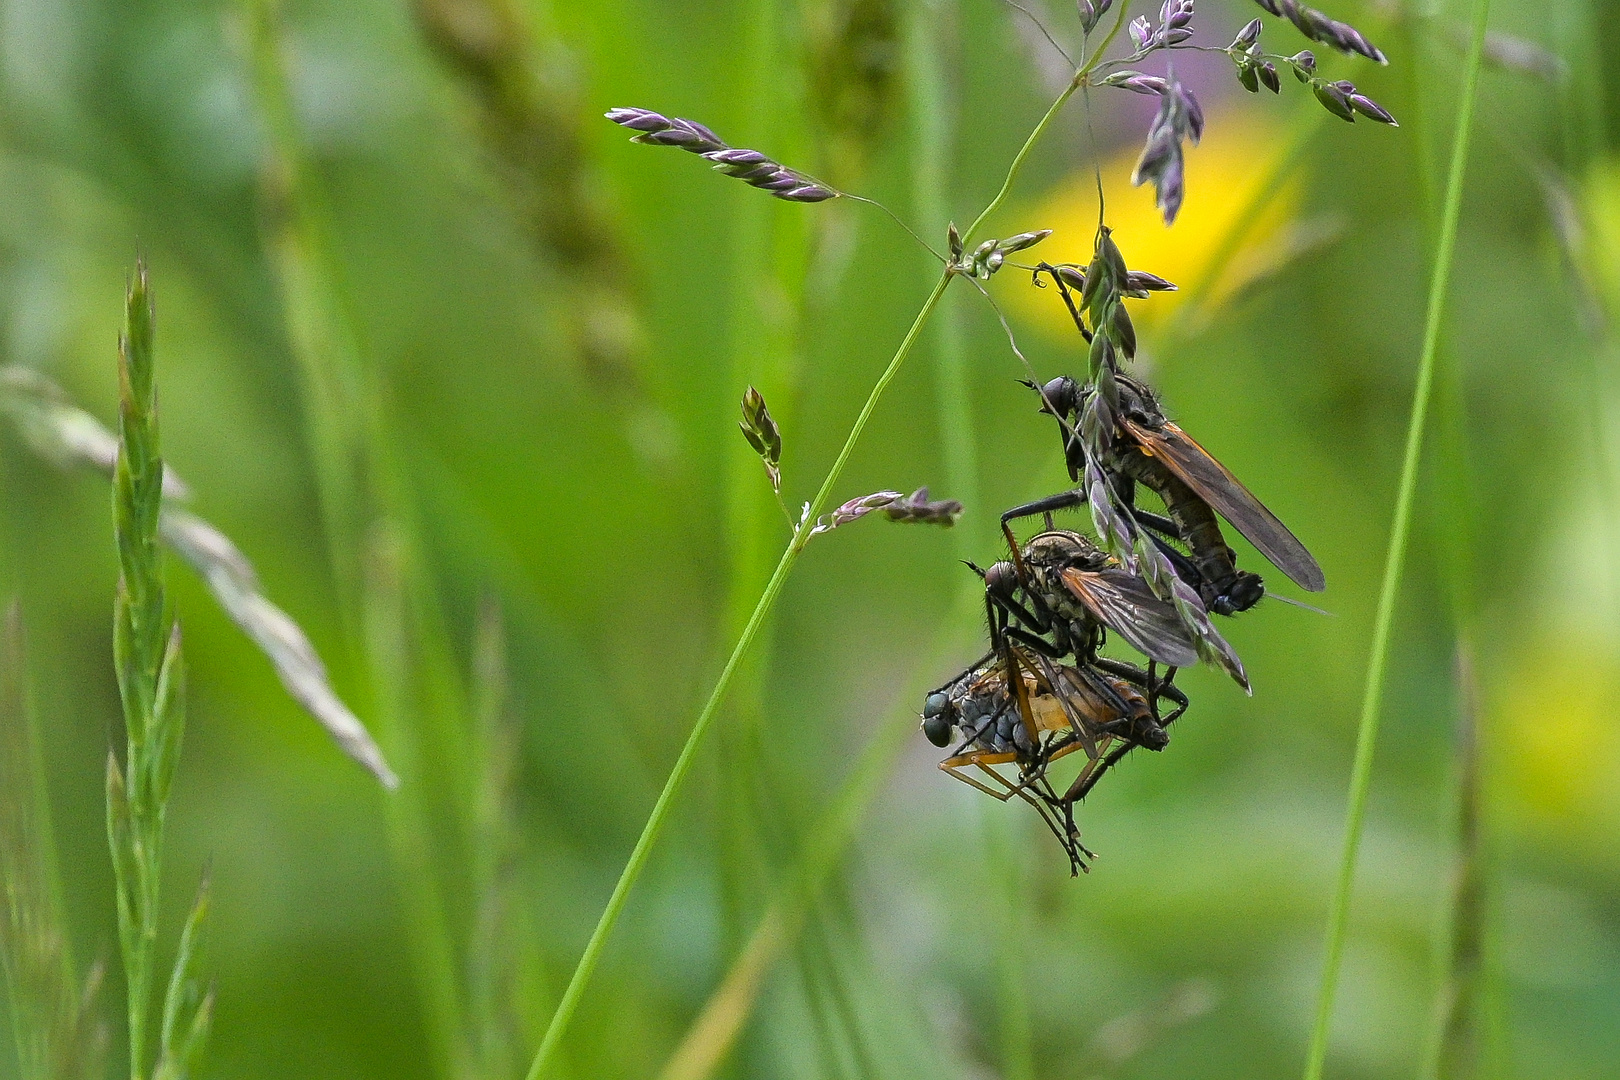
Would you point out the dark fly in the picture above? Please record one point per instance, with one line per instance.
(1106, 708)
(1062, 594)
(1147, 448)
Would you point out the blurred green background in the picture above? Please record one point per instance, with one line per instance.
(547, 331)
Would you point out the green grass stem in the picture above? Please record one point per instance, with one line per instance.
(683, 763)
(150, 672)
(1372, 700)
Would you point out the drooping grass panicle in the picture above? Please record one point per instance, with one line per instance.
(1180, 118)
(66, 435)
(232, 580)
(1329, 31)
(150, 669)
(749, 166)
(57, 1031)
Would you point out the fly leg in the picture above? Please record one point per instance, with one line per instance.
(1156, 688)
(1068, 297)
(1063, 500)
(977, 664)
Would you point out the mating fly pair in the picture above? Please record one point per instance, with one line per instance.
(1043, 691)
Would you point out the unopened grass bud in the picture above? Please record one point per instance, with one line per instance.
(762, 434)
(1141, 32)
(1334, 100)
(1369, 108)
(1139, 283)
(1135, 81)
(1320, 27)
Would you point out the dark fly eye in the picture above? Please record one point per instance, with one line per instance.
(1059, 394)
(1001, 579)
(936, 705)
(937, 726)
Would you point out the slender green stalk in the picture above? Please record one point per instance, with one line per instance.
(1367, 735)
(683, 764)
(801, 536)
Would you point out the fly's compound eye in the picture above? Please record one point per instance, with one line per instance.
(1060, 395)
(1001, 579)
(937, 719)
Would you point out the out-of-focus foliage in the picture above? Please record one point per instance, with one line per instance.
(560, 399)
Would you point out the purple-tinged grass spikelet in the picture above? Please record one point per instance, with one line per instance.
(749, 166)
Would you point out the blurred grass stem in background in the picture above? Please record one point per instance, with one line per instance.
(1372, 701)
(387, 608)
(56, 1030)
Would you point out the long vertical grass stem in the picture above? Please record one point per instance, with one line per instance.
(683, 764)
(934, 126)
(1367, 734)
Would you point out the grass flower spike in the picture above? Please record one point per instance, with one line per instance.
(151, 682)
(749, 166)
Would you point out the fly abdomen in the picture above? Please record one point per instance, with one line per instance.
(1194, 519)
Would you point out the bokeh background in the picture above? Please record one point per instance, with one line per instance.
(541, 531)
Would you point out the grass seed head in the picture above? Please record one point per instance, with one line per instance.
(749, 166)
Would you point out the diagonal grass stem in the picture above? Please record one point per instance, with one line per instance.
(683, 764)
(1367, 735)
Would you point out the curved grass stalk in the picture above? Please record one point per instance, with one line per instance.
(1367, 734)
(683, 764)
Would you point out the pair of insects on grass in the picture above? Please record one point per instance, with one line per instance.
(1042, 691)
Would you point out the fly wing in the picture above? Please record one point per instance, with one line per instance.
(1215, 484)
(1076, 709)
(1122, 602)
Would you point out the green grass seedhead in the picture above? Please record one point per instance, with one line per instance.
(151, 683)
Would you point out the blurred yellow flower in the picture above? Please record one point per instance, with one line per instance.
(1557, 750)
(1223, 175)
(1602, 247)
